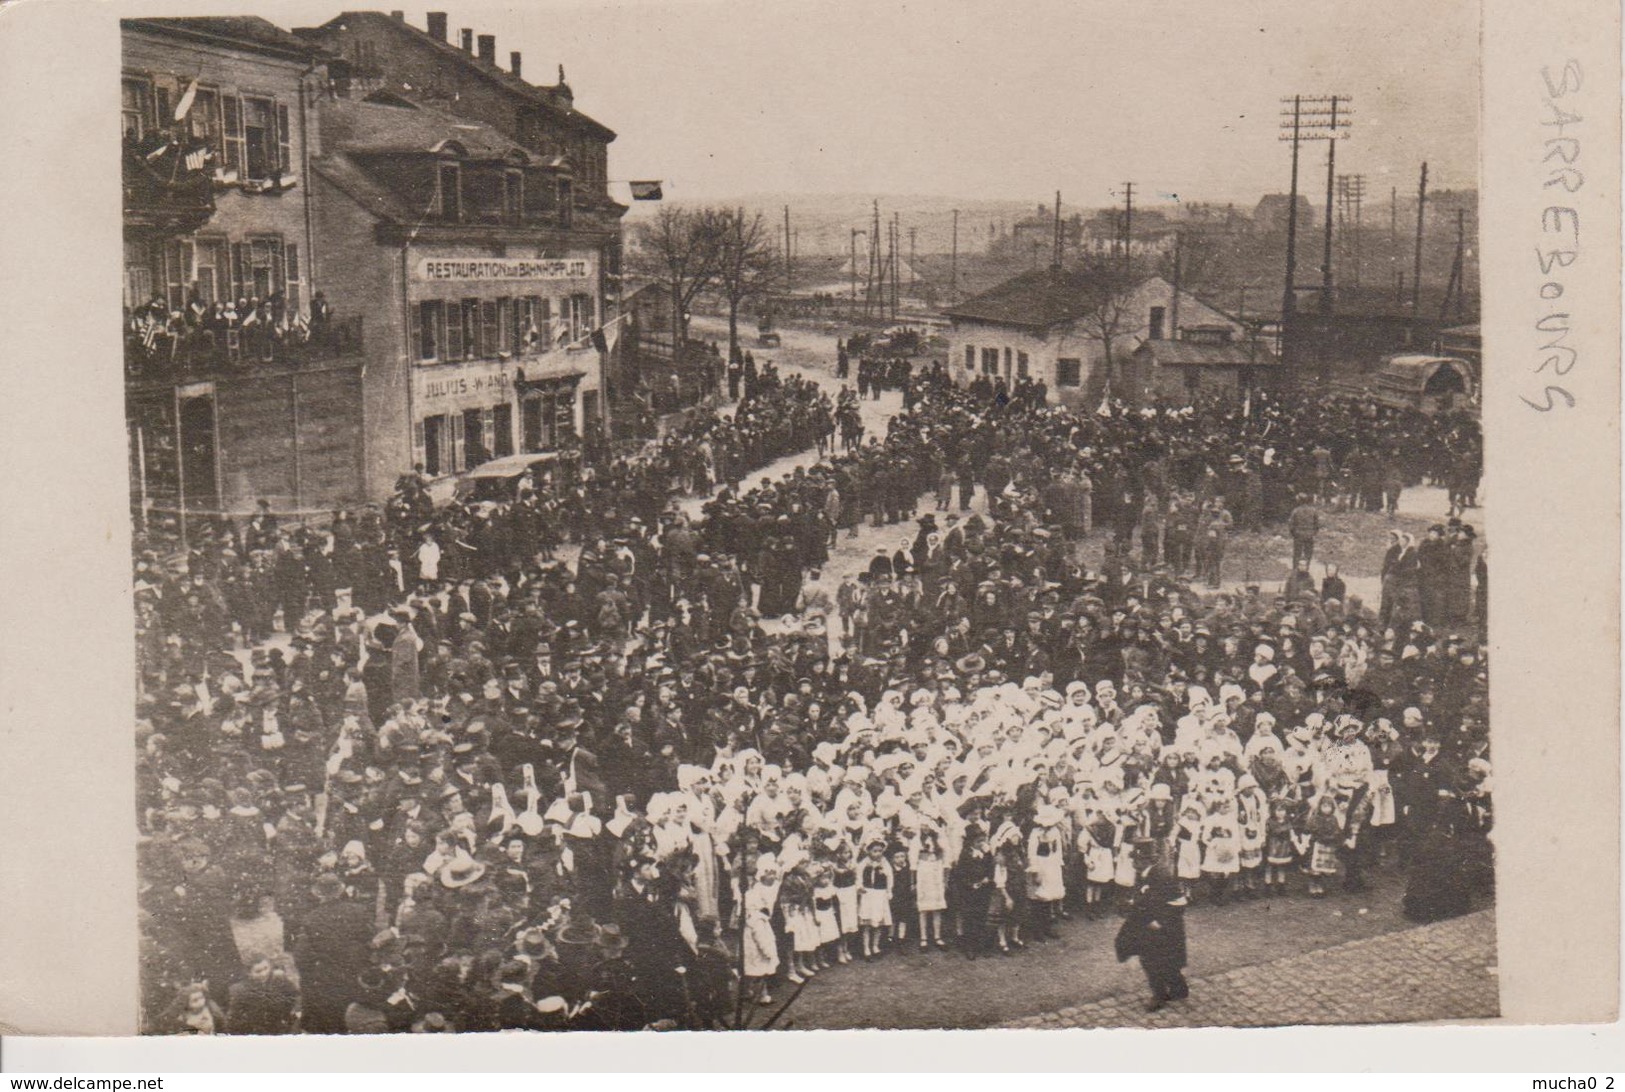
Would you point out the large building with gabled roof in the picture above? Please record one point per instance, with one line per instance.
(471, 209)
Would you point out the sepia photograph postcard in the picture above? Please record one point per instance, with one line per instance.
(824, 516)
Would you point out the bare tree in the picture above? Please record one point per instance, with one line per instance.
(1109, 318)
(683, 248)
(745, 266)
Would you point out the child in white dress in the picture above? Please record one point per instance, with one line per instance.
(874, 898)
(930, 888)
(760, 941)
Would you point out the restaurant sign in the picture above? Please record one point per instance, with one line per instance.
(503, 269)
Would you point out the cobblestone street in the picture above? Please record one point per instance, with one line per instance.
(1444, 971)
(1347, 958)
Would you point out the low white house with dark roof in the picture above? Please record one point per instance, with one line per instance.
(1045, 325)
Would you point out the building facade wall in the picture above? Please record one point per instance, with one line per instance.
(366, 276)
(1181, 384)
(524, 360)
(231, 82)
(215, 429)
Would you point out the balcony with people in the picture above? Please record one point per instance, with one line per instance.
(212, 340)
(168, 183)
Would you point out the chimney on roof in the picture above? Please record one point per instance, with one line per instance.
(513, 63)
(437, 25)
(488, 49)
(468, 40)
(398, 16)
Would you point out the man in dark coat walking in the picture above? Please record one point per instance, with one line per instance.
(1154, 930)
(331, 948)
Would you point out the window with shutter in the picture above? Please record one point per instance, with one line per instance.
(209, 263)
(239, 271)
(505, 324)
(970, 358)
(521, 324)
(488, 327)
(177, 259)
(435, 438)
(419, 455)
(473, 438)
(454, 330)
(137, 119)
(514, 195)
(488, 440)
(544, 321)
(455, 448)
(265, 267)
(259, 138)
(233, 114)
(451, 199)
(472, 343)
(430, 317)
(137, 274)
(294, 281)
(284, 139)
(204, 120)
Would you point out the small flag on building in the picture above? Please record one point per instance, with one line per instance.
(599, 342)
(646, 191)
(184, 107)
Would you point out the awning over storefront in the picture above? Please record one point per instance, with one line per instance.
(554, 381)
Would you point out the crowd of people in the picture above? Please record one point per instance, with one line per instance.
(470, 783)
(247, 328)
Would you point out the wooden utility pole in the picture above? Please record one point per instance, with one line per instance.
(1128, 222)
(1289, 298)
(1055, 260)
(1350, 199)
(1416, 268)
(896, 262)
(1453, 291)
(788, 282)
(912, 260)
(953, 264)
(1331, 178)
(871, 294)
(1393, 237)
(1173, 310)
(853, 309)
(1309, 118)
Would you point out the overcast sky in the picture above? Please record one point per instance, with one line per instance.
(998, 98)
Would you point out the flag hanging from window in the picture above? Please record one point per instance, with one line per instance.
(184, 107)
(600, 342)
(646, 191)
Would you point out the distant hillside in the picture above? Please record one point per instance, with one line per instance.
(823, 223)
